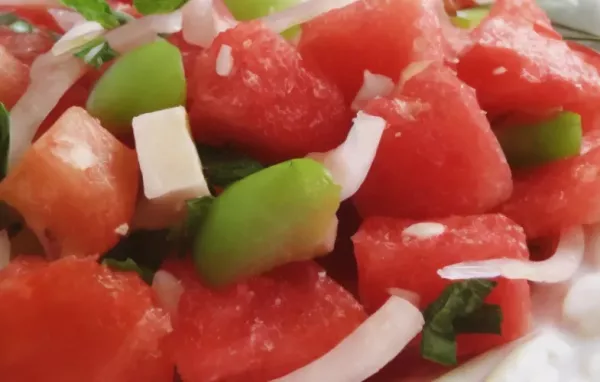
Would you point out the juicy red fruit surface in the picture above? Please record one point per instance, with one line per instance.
(513, 67)
(74, 320)
(269, 105)
(434, 124)
(74, 186)
(381, 36)
(560, 194)
(259, 329)
(387, 257)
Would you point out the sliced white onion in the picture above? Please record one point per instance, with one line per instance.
(224, 61)
(350, 162)
(168, 291)
(541, 358)
(366, 350)
(481, 366)
(560, 267)
(203, 20)
(4, 249)
(581, 306)
(51, 77)
(412, 70)
(77, 36)
(374, 85)
(66, 19)
(301, 13)
(143, 30)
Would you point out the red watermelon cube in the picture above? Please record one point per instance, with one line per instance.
(527, 10)
(381, 36)
(75, 320)
(14, 78)
(513, 67)
(438, 155)
(560, 194)
(260, 329)
(75, 186)
(390, 255)
(266, 102)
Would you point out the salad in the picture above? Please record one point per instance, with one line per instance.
(297, 190)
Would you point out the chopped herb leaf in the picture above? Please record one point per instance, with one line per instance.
(129, 265)
(147, 248)
(223, 167)
(96, 53)
(487, 319)
(15, 23)
(4, 140)
(149, 7)
(196, 210)
(459, 309)
(95, 10)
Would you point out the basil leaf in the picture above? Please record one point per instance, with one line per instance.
(149, 7)
(459, 309)
(96, 53)
(129, 265)
(486, 319)
(4, 140)
(15, 23)
(223, 167)
(94, 10)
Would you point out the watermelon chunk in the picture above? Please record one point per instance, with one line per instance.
(388, 256)
(560, 194)
(74, 186)
(260, 329)
(268, 104)
(435, 124)
(512, 67)
(75, 320)
(527, 10)
(381, 36)
(26, 47)
(14, 78)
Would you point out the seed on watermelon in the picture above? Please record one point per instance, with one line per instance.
(147, 79)
(556, 138)
(277, 215)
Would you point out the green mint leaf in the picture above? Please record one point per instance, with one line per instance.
(486, 319)
(94, 10)
(15, 23)
(123, 17)
(129, 265)
(459, 309)
(223, 167)
(96, 53)
(149, 7)
(4, 140)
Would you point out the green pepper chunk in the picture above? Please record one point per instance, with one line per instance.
(278, 215)
(253, 9)
(556, 138)
(147, 79)
(470, 18)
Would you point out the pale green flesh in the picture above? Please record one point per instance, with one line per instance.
(254, 9)
(275, 216)
(147, 79)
